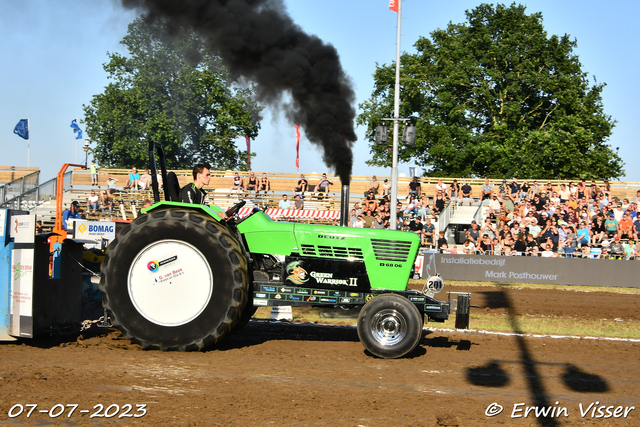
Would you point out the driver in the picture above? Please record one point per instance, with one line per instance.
(193, 192)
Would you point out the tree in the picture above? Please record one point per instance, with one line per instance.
(170, 89)
(496, 97)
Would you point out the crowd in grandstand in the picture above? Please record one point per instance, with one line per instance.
(573, 219)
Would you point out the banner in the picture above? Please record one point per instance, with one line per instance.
(22, 129)
(23, 233)
(393, 5)
(524, 269)
(297, 146)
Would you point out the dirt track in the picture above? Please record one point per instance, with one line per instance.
(274, 373)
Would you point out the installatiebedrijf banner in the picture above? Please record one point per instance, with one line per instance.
(523, 269)
(22, 228)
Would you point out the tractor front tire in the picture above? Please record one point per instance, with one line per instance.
(390, 326)
(175, 279)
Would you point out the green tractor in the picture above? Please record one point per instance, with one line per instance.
(180, 277)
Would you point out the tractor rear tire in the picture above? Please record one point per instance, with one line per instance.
(390, 326)
(175, 279)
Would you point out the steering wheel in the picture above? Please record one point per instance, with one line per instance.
(233, 210)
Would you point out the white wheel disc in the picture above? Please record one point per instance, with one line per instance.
(170, 282)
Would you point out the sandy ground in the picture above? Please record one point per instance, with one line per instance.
(282, 374)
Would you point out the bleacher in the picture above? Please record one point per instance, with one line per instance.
(128, 202)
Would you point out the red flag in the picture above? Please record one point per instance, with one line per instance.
(393, 5)
(297, 146)
(248, 151)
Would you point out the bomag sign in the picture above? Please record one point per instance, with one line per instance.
(95, 230)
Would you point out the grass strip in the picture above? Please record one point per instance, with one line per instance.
(527, 324)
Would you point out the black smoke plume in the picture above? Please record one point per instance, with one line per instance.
(258, 40)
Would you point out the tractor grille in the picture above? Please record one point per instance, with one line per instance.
(391, 250)
(331, 251)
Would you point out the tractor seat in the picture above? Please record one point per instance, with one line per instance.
(172, 188)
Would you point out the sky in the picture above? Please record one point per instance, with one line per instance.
(54, 53)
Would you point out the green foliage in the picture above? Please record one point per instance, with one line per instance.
(172, 90)
(496, 97)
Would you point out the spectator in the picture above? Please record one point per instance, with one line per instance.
(597, 230)
(429, 232)
(193, 192)
(71, 213)
(423, 207)
(520, 245)
(571, 236)
(525, 189)
(531, 243)
(583, 235)
(386, 188)
(94, 172)
(616, 248)
(264, 184)
(238, 183)
(486, 245)
(159, 180)
(488, 229)
(353, 216)
(534, 228)
(145, 204)
(473, 233)
(630, 249)
(497, 248)
(454, 191)
(107, 203)
(547, 253)
(145, 181)
(563, 193)
(92, 201)
(569, 249)
(626, 230)
(378, 222)
(487, 188)
(414, 187)
(301, 187)
(111, 182)
(515, 188)
(412, 205)
(438, 205)
(468, 247)
(374, 186)
(252, 182)
(134, 176)
(368, 219)
(323, 184)
(298, 202)
(605, 254)
(371, 204)
(441, 240)
(611, 226)
(494, 206)
(359, 223)
(39, 227)
(284, 203)
(467, 193)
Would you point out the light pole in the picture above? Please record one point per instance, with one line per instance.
(86, 153)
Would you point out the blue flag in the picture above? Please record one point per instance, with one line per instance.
(79, 134)
(74, 125)
(22, 129)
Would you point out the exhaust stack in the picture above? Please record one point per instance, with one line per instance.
(344, 205)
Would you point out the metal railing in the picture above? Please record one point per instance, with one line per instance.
(36, 195)
(18, 186)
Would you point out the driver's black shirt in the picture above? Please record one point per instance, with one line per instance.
(192, 194)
